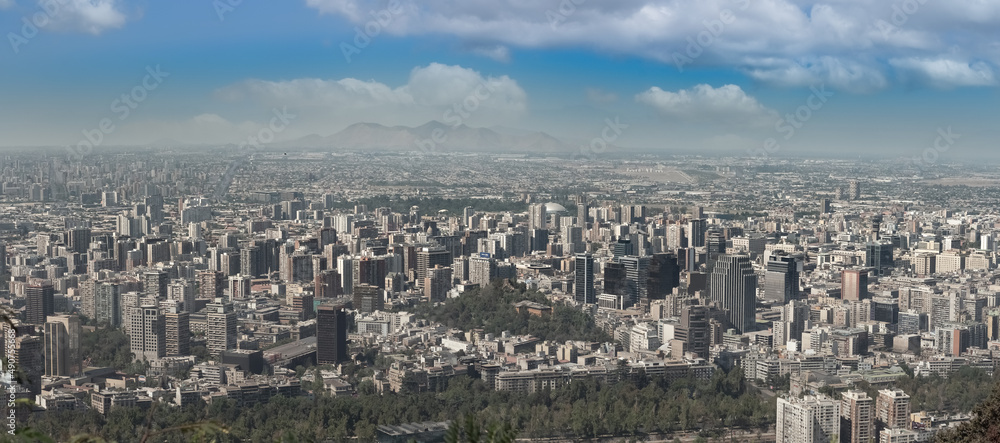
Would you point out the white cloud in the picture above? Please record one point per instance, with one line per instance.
(845, 44)
(89, 16)
(727, 103)
(946, 73)
(326, 105)
(498, 53)
(599, 96)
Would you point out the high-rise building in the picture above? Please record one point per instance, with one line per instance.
(807, 420)
(857, 417)
(781, 282)
(147, 333)
(107, 304)
(240, 286)
(62, 345)
(854, 284)
(581, 211)
(664, 275)
(326, 284)
(636, 278)
(537, 217)
(892, 410)
(155, 284)
(78, 240)
(368, 298)
(331, 335)
(40, 303)
(438, 283)
(854, 190)
(178, 332)
(879, 257)
(182, 291)
(221, 327)
(696, 233)
(824, 206)
(210, 284)
(694, 330)
(302, 304)
(28, 354)
(583, 286)
(733, 287)
(482, 269)
(427, 258)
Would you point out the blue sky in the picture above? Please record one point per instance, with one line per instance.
(894, 72)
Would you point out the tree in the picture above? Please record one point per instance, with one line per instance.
(984, 426)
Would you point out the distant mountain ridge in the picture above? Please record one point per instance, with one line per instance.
(432, 136)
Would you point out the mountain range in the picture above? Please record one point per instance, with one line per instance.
(432, 137)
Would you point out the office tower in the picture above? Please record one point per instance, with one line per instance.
(482, 269)
(879, 257)
(696, 233)
(326, 284)
(147, 333)
(252, 261)
(664, 275)
(210, 284)
(824, 206)
(439, 282)
(857, 416)
(622, 247)
(636, 278)
(182, 291)
(581, 211)
(62, 345)
(694, 330)
(39, 297)
(78, 240)
(221, 327)
(892, 410)
(368, 298)
(537, 217)
(229, 263)
(583, 286)
(369, 271)
(331, 335)
(854, 190)
(854, 284)
(539, 239)
(239, 286)
(807, 420)
(155, 284)
(781, 281)
(572, 239)
(28, 354)
(427, 258)
(913, 322)
(733, 287)
(345, 266)
(178, 332)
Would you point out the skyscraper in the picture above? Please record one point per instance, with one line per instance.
(854, 284)
(368, 298)
(62, 345)
(583, 286)
(856, 417)
(40, 304)
(664, 275)
(854, 190)
(331, 335)
(178, 332)
(696, 233)
(147, 333)
(210, 284)
(892, 410)
(733, 287)
(879, 256)
(221, 327)
(429, 257)
(636, 278)
(781, 282)
(107, 304)
(537, 217)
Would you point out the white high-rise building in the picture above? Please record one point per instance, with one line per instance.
(807, 420)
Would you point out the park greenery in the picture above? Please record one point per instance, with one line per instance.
(582, 409)
(491, 309)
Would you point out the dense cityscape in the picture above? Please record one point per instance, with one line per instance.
(809, 294)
